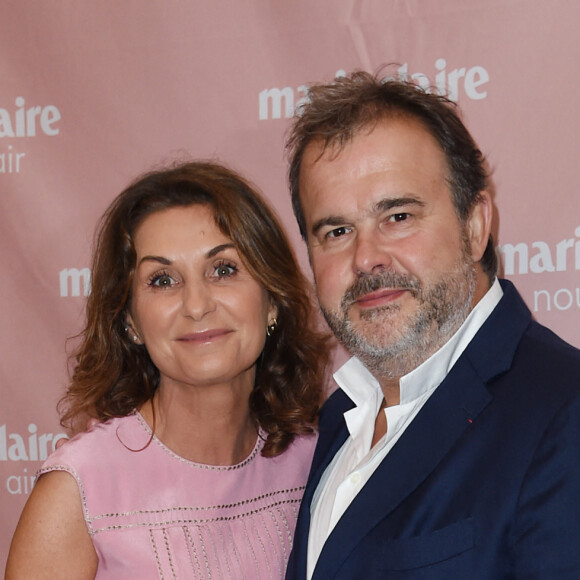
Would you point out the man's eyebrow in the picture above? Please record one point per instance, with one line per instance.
(327, 221)
(394, 202)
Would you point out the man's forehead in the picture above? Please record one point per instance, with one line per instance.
(387, 165)
(396, 143)
(329, 147)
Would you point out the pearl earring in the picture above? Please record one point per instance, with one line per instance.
(135, 337)
(272, 324)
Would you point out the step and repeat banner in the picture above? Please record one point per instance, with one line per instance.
(94, 93)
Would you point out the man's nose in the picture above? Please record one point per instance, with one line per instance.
(371, 252)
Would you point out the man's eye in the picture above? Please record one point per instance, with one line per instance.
(399, 217)
(337, 232)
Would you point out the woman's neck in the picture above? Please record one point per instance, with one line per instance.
(210, 425)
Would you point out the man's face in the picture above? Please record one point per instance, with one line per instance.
(394, 267)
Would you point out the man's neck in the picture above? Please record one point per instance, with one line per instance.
(380, 425)
(391, 391)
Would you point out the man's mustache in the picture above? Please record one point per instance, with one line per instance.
(366, 283)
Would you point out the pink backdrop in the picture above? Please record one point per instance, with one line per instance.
(94, 93)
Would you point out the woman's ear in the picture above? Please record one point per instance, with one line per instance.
(272, 320)
(479, 225)
(272, 311)
(130, 330)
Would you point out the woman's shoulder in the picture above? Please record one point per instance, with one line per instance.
(296, 458)
(99, 442)
(101, 457)
(51, 528)
(303, 446)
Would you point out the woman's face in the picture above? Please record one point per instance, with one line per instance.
(195, 306)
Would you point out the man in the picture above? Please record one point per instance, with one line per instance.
(452, 447)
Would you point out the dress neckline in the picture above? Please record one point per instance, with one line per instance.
(260, 440)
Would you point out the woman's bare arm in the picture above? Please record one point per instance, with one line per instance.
(51, 539)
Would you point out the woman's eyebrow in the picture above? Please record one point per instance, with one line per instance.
(160, 259)
(214, 251)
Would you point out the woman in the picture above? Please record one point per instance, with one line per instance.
(201, 364)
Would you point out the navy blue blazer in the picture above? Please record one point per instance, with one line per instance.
(484, 483)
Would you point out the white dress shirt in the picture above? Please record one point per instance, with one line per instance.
(355, 462)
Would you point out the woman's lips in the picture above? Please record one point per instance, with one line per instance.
(204, 336)
(380, 297)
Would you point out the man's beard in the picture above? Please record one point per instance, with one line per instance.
(391, 347)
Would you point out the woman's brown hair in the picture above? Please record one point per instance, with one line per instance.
(112, 375)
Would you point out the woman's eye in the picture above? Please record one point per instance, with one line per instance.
(225, 270)
(162, 281)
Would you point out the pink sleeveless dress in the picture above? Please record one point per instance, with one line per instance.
(153, 514)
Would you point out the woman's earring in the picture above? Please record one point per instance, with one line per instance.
(272, 324)
(129, 330)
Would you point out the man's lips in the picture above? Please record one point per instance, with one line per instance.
(204, 336)
(380, 297)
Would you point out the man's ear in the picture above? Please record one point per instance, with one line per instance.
(479, 225)
(130, 330)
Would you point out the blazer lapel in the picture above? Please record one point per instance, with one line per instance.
(332, 434)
